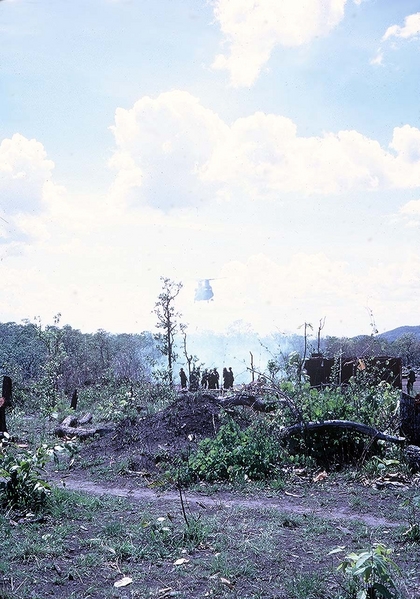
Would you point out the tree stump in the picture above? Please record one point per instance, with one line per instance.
(74, 398)
(6, 400)
(410, 418)
(412, 454)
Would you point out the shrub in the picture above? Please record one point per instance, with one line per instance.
(21, 484)
(235, 453)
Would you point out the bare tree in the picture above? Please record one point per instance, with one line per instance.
(168, 320)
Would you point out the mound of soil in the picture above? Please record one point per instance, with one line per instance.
(179, 426)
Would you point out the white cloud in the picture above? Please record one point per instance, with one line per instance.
(411, 28)
(161, 144)
(378, 59)
(24, 169)
(411, 208)
(92, 253)
(26, 191)
(172, 153)
(254, 28)
(263, 154)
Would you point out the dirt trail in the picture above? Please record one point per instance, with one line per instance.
(223, 501)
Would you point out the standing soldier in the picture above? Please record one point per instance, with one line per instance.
(205, 379)
(183, 378)
(410, 381)
(225, 376)
(216, 378)
(231, 378)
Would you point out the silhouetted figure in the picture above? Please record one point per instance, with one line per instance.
(195, 379)
(217, 378)
(231, 378)
(410, 381)
(205, 379)
(212, 379)
(225, 376)
(5, 400)
(74, 399)
(183, 378)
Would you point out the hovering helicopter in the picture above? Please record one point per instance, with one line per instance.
(204, 291)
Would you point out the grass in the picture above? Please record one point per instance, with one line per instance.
(241, 547)
(85, 543)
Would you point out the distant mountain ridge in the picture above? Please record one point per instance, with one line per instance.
(393, 335)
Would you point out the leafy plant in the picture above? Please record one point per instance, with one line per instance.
(413, 531)
(369, 573)
(235, 453)
(21, 484)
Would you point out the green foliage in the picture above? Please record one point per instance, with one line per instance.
(361, 401)
(380, 466)
(21, 484)
(167, 321)
(307, 585)
(369, 573)
(117, 401)
(413, 531)
(48, 386)
(252, 453)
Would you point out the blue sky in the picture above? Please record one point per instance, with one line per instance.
(273, 146)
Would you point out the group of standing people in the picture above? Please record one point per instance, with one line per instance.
(210, 379)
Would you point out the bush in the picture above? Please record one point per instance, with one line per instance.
(252, 453)
(21, 484)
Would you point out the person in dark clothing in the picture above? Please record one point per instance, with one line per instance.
(211, 380)
(410, 381)
(183, 378)
(205, 379)
(225, 376)
(231, 378)
(216, 378)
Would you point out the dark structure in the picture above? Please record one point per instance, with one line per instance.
(6, 400)
(324, 371)
(74, 398)
(410, 418)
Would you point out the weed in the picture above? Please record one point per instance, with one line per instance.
(369, 573)
(21, 486)
(306, 585)
(413, 532)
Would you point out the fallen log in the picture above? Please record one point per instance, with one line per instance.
(81, 433)
(72, 426)
(349, 425)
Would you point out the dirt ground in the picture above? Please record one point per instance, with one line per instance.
(115, 518)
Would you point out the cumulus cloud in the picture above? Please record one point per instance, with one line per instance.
(26, 191)
(174, 153)
(24, 169)
(411, 28)
(254, 28)
(161, 145)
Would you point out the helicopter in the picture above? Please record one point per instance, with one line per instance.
(204, 291)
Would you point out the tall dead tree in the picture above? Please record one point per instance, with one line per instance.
(167, 321)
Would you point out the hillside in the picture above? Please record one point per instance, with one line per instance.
(393, 335)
